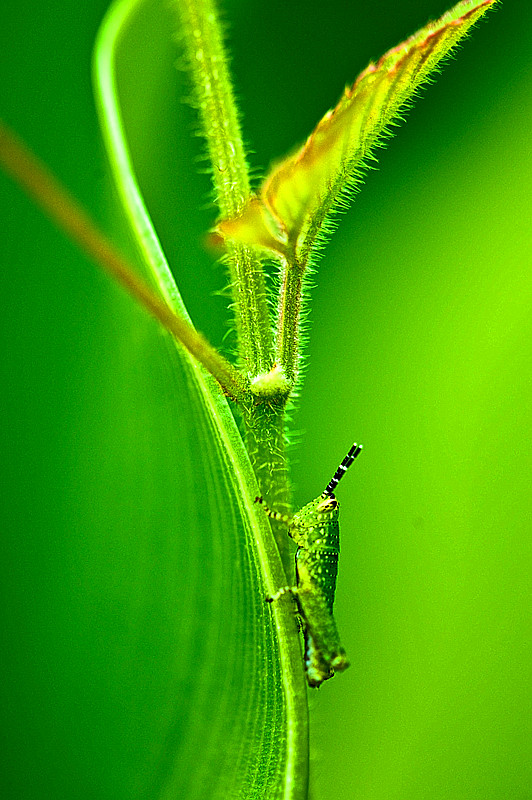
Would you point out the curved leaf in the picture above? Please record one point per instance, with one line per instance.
(234, 719)
(300, 192)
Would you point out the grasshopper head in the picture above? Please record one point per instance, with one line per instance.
(322, 510)
(326, 503)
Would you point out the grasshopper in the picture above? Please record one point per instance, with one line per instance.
(316, 531)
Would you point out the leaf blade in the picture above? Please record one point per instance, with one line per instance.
(257, 747)
(303, 189)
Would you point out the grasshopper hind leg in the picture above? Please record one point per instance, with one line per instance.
(316, 668)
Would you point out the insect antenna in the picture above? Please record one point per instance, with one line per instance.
(272, 514)
(342, 469)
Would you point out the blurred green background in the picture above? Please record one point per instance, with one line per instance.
(420, 346)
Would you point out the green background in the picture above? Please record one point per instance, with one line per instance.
(420, 346)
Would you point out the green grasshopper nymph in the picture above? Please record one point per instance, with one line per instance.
(316, 531)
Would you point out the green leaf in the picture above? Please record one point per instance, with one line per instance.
(299, 193)
(234, 723)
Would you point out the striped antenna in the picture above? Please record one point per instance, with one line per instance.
(273, 514)
(342, 469)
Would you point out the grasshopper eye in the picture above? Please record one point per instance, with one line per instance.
(329, 503)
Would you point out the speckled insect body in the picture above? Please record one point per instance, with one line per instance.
(316, 531)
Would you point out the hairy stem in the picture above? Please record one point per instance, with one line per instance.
(289, 317)
(266, 444)
(201, 33)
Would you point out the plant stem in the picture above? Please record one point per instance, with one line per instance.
(264, 418)
(201, 33)
(289, 317)
(266, 444)
(59, 204)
